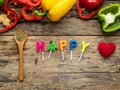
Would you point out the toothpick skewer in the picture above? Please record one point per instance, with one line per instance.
(71, 55)
(49, 54)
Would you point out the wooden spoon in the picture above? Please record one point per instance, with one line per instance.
(20, 42)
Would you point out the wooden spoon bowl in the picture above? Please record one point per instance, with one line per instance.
(20, 38)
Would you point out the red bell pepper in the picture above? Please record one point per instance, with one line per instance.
(84, 5)
(30, 17)
(15, 2)
(12, 16)
(32, 3)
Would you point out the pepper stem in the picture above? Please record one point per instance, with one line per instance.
(40, 14)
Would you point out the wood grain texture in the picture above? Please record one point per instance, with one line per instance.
(63, 81)
(92, 61)
(92, 73)
(71, 24)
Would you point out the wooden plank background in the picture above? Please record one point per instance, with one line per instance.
(92, 73)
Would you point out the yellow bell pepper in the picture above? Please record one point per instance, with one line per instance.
(56, 9)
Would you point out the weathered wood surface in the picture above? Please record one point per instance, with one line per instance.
(92, 73)
(64, 81)
(71, 24)
(92, 61)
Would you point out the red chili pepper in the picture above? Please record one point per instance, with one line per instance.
(29, 17)
(32, 3)
(92, 8)
(12, 16)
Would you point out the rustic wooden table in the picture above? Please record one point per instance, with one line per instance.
(92, 73)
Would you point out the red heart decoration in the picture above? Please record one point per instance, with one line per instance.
(106, 49)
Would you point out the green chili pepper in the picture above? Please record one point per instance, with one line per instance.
(1, 3)
(109, 17)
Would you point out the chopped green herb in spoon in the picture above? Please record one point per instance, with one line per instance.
(20, 35)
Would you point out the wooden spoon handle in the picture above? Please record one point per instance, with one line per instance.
(21, 71)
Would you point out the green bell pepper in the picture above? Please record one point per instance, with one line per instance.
(109, 16)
